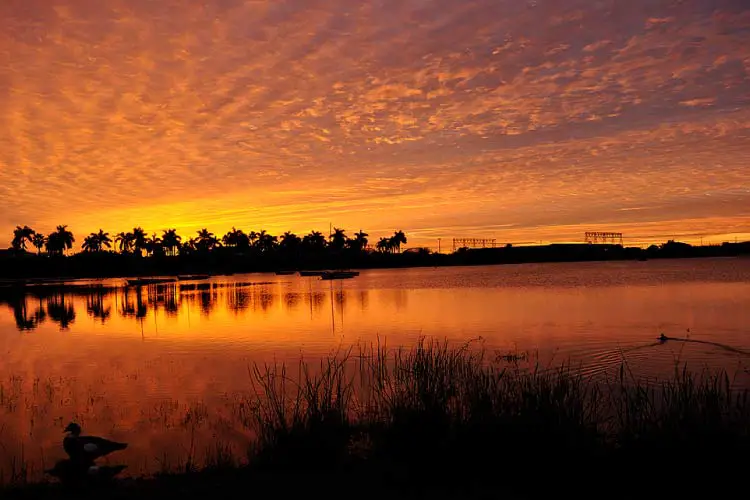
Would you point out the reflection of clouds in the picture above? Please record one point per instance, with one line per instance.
(369, 106)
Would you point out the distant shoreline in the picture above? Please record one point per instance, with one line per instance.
(18, 266)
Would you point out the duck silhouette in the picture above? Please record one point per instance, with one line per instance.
(83, 450)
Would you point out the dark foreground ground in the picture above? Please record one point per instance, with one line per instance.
(439, 422)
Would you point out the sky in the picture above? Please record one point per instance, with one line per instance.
(523, 121)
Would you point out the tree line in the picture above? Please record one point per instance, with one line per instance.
(169, 243)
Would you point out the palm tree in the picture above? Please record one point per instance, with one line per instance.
(154, 245)
(253, 237)
(104, 240)
(315, 241)
(171, 240)
(359, 242)
(265, 242)
(236, 238)
(60, 241)
(20, 236)
(338, 239)
(206, 240)
(398, 239)
(38, 241)
(91, 243)
(139, 240)
(290, 242)
(125, 241)
(384, 245)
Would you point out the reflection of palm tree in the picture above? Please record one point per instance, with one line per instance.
(171, 240)
(38, 241)
(60, 312)
(20, 314)
(20, 236)
(95, 307)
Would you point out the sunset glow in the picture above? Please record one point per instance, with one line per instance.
(522, 121)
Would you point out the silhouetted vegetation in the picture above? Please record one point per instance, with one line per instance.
(134, 253)
(448, 422)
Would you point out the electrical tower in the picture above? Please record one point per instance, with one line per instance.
(600, 238)
(474, 243)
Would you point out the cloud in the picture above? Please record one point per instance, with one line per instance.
(188, 114)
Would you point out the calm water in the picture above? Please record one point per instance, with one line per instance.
(166, 367)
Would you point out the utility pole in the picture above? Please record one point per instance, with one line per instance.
(439, 245)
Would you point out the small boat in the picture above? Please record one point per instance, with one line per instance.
(149, 281)
(285, 273)
(192, 277)
(339, 275)
(312, 273)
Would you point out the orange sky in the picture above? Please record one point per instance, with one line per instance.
(522, 121)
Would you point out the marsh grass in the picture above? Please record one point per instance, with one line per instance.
(450, 413)
(438, 417)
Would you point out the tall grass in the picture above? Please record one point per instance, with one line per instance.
(450, 413)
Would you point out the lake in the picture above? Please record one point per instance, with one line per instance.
(166, 367)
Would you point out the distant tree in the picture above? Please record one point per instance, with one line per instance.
(60, 240)
(338, 239)
(314, 242)
(20, 236)
(266, 242)
(104, 240)
(236, 238)
(384, 245)
(154, 245)
(124, 241)
(206, 240)
(38, 241)
(398, 239)
(91, 243)
(359, 242)
(139, 240)
(290, 242)
(171, 240)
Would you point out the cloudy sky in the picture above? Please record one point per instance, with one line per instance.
(518, 120)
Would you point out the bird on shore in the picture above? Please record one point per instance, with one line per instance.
(85, 449)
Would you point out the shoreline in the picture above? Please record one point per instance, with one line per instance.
(17, 268)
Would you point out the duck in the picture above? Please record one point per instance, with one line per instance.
(70, 471)
(663, 338)
(85, 449)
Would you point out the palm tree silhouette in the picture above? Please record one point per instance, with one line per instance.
(104, 239)
(91, 243)
(125, 241)
(315, 241)
(290, 242)
(38, 241)
(206, 240)
(338, 239)
(266, 242)
(397, 240)
(154, 245)
(20, 236)
(384, 245)
(359, 242)
(171, 240)
(139, 240)
(60, 241)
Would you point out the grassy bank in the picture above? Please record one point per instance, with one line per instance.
(446, 422)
